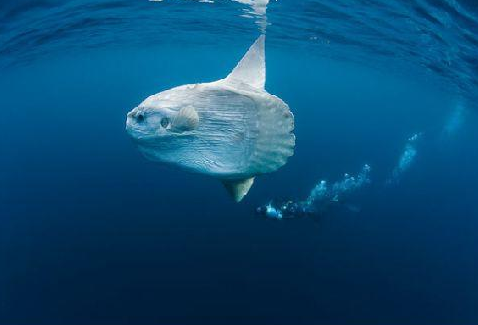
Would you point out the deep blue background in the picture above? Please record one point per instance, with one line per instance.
(93, 233)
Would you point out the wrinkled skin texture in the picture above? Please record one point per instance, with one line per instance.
(231, 129)
(225, 143)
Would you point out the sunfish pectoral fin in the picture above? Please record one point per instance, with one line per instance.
(238, 188)
(251, 69)
(187, 119)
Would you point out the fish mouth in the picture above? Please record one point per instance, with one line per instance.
(135, 133)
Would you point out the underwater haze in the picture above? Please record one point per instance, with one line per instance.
(384, 96)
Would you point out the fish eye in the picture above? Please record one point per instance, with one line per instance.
(165, 122)
(140, 117)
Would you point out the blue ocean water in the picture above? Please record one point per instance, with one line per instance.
(91, 232)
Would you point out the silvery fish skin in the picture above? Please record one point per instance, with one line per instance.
(231, 129)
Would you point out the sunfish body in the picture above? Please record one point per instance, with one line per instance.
(230, 129)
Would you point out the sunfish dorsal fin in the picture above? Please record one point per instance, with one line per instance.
(238, 188)
(251, 69)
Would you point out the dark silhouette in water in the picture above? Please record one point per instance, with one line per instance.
(320, 200)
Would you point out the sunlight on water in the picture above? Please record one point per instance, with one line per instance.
(437, 35)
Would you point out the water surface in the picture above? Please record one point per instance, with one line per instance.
(92, 232)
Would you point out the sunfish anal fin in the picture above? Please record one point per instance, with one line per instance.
(251, 70)
(238, 188)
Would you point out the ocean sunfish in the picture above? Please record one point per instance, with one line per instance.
(231, 129)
